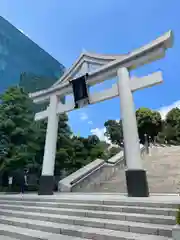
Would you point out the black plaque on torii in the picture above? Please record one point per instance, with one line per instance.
(80, 91)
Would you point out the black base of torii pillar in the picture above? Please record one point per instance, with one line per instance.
(137, 185)
(46, 185)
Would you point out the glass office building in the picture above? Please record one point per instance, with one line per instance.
(23, 62)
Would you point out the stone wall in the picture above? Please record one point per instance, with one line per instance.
(92, 175)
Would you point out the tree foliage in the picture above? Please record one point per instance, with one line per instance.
(149, 122)
(114, 131)
(18, 134)
(171, 128)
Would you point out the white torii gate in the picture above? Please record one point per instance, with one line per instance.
(108, 67)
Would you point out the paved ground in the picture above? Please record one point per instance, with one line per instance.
(163, 172)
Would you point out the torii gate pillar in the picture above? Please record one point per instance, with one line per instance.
(46, 184)
(135, 175)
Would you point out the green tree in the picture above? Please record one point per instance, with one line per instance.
(96, 148)
(81, 151)
(113, 151)
(148, 122)
(18, 143)
(80, 154)
(65, 150)
(114, 131)
(64, 144)
(173, 117)
(171, 129)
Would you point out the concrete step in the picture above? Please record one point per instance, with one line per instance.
(43, 213)
(35, 229)
(141, 203)
(137, 202)
(7, 238)
(126, 226)
(18, 233)
(87, 217)
(99, 207)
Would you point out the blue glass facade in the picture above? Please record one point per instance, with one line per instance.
(22, 59)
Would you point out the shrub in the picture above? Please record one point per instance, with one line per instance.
(178, 216)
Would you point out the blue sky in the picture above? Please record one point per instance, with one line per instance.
(64, 28)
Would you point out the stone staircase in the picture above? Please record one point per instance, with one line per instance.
(163, 172)
(100, 217)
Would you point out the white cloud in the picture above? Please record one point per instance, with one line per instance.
(100, 133)
(83, 116)
(164, 110)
